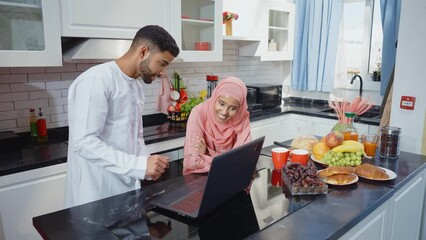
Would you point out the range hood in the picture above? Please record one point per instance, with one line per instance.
(93, 50)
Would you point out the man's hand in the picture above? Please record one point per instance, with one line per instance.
(156, 166)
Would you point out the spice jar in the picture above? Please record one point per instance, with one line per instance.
(389, 142)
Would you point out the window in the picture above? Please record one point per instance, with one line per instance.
(362, 37)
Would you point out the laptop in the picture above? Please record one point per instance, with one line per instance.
(230, 173)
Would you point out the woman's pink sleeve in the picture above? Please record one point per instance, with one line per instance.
(194, 162)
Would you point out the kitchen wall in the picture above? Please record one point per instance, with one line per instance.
(24, 88)
(409, 77)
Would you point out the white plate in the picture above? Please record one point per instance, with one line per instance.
(351, 182)
(391, 174)
(318, 161)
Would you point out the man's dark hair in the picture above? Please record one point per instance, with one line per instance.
(156, 37)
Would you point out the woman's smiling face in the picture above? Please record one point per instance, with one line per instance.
(225, 108)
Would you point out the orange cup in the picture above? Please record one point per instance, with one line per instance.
(300, 156)
(370, 143)
(276, 179)
(279, 157)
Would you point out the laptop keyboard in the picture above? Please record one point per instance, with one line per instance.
(190, 203)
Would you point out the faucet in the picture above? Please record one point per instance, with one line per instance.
(360, 80)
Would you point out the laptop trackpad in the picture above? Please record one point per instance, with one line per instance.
(175, 195)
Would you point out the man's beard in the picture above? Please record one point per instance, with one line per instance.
(146, 73)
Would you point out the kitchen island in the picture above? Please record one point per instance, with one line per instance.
(31, 175)
(268, 212)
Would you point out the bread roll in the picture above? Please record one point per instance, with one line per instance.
(332, 170)
(304, 142)
(340, 179)
(371, 172)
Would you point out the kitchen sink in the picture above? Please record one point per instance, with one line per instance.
(369, 114)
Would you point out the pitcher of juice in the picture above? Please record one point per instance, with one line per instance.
(350, 132)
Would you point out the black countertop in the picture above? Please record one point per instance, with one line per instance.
(157, 129)
(268, 212)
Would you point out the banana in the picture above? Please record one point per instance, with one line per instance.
(349, 146)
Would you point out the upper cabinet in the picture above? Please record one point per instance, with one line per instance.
(197, 28)
(270, 21)
(112, 18)
(29, 33)
(277, 42)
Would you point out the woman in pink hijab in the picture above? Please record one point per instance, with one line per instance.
(217, 125)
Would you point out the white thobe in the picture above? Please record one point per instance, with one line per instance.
(106, 151)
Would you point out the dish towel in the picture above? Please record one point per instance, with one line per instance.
(164, 95)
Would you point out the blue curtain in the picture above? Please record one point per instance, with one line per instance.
(390, 13)
(315, 44)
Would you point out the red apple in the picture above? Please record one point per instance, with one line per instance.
(333, 139)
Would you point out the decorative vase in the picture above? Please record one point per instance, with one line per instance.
(228, 26)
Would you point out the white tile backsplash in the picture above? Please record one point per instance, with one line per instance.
(27, 87)
(4, 88)
(11, 97)
(44, 77)
(13, 78)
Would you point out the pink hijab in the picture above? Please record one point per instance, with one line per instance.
(219, 137)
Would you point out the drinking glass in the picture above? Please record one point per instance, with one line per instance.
(370, 143)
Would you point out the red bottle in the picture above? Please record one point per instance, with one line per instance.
(41, 128)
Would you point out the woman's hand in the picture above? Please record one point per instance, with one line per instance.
(199, 145)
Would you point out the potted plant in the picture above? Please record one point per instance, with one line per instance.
(378, 71)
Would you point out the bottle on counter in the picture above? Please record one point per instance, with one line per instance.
(211, 84)
(33, 126)
(350, 132)
(41, 128)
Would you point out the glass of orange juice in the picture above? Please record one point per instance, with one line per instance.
(370, 144)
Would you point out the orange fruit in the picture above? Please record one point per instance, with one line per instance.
(319, 150)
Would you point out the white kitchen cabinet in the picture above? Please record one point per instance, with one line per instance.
(248, 24)
(372, 227)
(322, 126)
(30, 33)
(29, 194)
(405, 208)
(276, 24)
(300, 125)
(165, 145)
(111, 18)
(373, 129)
(195, 22)
(268, 128)
(274, 129)
(400, 217)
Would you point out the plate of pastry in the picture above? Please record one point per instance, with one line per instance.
(338, 175)
(375, 173)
